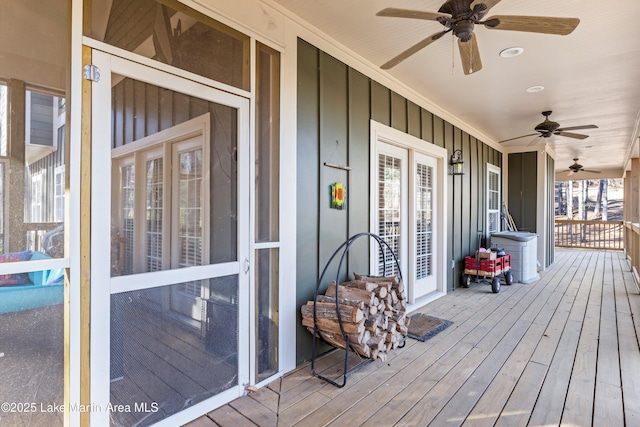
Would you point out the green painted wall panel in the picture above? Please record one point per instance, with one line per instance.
(358, 183)
(333, 150)
(380, 104)
(468, 234)
(307, 214)
(485, 149)
(530, 191)
(438, 131)
(550, 249)
(414, 120)
(427, 125)
(523, 193)
(454, 217)
(398, 112)
(474, 172)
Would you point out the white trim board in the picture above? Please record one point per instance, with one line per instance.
(391, 136)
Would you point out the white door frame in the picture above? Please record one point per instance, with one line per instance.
(102, 285)
(391, 136)
(429, 283)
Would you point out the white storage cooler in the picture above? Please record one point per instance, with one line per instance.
(523, 247)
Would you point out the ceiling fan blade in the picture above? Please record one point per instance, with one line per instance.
(534, 141)
(572, 135)
(518, 137)
(412, 50)
(407, 13)
(579, 127)
(590, 171)
(488, 3)
(533, 24)
(470, 55)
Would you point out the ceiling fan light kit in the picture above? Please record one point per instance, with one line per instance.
(461, 16)
(548, 128)
(576, 167)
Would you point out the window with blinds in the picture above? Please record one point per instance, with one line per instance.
(159, 211)
(127, 214)
(189, 183)
(154, 214)
(389, 211)
(493, 199)
(424, 221)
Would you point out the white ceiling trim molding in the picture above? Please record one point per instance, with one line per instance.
(605, 174)
(251, 17)
(313, 35)
(634, 145)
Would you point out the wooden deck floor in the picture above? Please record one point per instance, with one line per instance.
(561, 351)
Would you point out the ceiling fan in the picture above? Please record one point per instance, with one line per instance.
(460, 16)
(576, 167)
(548, 128)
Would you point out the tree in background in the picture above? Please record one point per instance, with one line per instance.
(602, 200)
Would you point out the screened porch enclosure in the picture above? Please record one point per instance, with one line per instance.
(160, 364)
(174, 206)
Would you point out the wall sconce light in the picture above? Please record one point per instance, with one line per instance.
(456, 163)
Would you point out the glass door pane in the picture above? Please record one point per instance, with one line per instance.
(391, 208)
(425, 225)
(493, 199)
(154, 209)
(166, 342)
(188, 228)
(177, 166)
(424, 218)
(267, 308)
(32, 187)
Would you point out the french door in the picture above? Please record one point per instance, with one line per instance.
(407, 211)
(425, 224)
(170, 303)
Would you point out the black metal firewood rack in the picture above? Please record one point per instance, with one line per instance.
(344, 247)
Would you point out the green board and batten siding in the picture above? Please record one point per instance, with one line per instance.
(550, 251)
(335, 106)
(523, 190)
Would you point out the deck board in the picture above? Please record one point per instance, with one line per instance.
(608, 399)
(514, 377)
(578, 408)
(254, 411)
(563, 350)
(627, 334)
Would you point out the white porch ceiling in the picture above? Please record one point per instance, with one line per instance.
(591, 76)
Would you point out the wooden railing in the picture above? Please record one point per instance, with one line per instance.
(632, 246)
(590, 234)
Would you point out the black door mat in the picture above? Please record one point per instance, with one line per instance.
(423, 327)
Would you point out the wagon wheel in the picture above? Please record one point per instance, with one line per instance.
(495, 285)
(508, 278)
(465, 281)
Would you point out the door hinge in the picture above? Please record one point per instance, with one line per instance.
(91, 72)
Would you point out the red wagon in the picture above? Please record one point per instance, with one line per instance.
(487, 265)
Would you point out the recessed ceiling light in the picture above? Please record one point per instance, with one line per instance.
(510, 52)
(534, 89)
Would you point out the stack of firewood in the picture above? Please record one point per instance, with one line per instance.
(372, 310)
